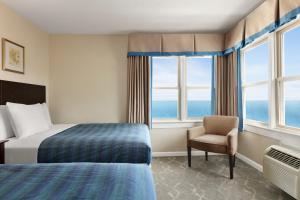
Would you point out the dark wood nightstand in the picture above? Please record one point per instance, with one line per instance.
(2, 153)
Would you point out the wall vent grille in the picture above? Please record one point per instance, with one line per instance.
(284, 158)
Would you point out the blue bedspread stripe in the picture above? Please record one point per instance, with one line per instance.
(115, 181)
(101, 143)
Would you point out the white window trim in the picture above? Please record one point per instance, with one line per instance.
(182, 121)
(281, 79)
(274, 129)
(172, 88)
(176, 124)
(275, 133)
(257, 43)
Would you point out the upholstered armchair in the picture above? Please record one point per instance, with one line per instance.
(219, 134)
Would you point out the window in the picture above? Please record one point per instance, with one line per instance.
(289, 77)
(165, 88)
(199, 72)
(181, 88)
(271, 80)
(256, 82)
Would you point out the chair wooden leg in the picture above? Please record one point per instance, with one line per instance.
(231, 166)
(189, 151)
(234, 160)
(206, 155)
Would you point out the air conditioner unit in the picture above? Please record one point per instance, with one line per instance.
(281, 165)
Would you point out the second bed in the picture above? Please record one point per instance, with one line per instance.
(100, 143)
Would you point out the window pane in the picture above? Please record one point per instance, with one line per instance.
(257, 103)
(291, 52)
(199, 71)
(198, 102)
(257, 63)
(164, 103)
(165, 71)
(292, 103)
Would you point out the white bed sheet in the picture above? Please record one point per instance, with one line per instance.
(25, 150)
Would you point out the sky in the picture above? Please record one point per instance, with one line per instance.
(257, 62)
(255, 70)
(292, 52)
(292, 62)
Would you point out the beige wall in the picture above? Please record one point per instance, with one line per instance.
(251, 145)
(168, 140)
(23, 32)
(88, 78)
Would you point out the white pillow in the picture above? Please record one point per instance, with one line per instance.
(47, 114)
(27, 119)
(6, 130)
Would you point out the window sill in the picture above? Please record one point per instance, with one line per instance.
(176, 124)
(265, 130)
(285, 136)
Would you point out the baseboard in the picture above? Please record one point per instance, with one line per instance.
(201, 153)
(180, 153)
(250, 162)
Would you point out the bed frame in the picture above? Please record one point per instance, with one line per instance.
(21, 93)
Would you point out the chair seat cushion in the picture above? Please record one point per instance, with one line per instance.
(212, 139)
(210, 143)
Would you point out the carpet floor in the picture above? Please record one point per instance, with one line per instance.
(208, 180)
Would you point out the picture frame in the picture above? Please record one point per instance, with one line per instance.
(13, 56)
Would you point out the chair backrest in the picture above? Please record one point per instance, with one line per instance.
(220, 125)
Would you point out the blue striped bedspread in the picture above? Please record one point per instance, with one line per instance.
(101, 143)
(105, 181)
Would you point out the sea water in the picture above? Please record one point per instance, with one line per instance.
(255, 110)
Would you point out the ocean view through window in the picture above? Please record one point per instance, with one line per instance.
(198, 81)
(255, 82)
(181, 87)
(165, 87)
(271, 80)
(289, 77)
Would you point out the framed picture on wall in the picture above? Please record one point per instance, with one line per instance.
(13, 56)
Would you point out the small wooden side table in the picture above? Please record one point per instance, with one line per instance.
(2, 151)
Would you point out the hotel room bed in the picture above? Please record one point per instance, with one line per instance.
(102, 143)
(77, 181)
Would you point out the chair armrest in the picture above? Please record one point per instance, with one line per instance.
(3, 141)
(232, 141)
(195, 132)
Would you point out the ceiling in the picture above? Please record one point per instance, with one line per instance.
(125, 16)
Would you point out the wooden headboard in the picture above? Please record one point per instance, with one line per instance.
(21, 93)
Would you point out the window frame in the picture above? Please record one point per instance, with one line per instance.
(281, 79)
(187, 88)
(182, 105)
(171, 88)
(273, 129)
(267, 82)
